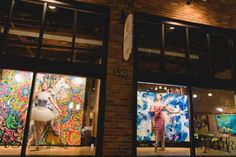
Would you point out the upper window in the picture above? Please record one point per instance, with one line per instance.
(179, 48)
(221, 59)
(55, 32)
(23, 36)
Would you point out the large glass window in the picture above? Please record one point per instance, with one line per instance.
(221, 59)
(214, 116)
(162, 120)
(149, 46)
(24, 29)
(175, 49)
(15, 88)
(57, 38)
(64, 115)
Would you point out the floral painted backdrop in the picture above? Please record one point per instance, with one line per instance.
(15, 87)
(69, 94)
(176, 125)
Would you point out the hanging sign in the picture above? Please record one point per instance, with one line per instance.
(128, 37)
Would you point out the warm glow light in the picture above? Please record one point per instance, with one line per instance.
(160, 87)
(52, 7)
(209, 94)
(194, 95)
(156, 88)
(165, 88)
(172, 28)
(219, 109)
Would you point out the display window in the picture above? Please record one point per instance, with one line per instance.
(214, 122)
(63, 113)
(162, 119)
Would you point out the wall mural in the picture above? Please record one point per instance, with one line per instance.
(226, 123)
(15, 89)
(69, 94)
(176, 125)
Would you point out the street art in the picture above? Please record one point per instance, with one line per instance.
(15, 89)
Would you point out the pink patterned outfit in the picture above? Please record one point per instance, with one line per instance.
(159, 120)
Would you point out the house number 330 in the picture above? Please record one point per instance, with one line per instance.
(120, 72)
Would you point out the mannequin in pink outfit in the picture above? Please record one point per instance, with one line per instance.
(159, 122)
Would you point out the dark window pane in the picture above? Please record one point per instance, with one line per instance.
(175, 48)
(89, 38)
(57, 39)
(24, 29)
(198, 53)
(4, 10)
(149, 46)
(221, 61)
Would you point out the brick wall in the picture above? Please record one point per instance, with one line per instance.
(118, 112)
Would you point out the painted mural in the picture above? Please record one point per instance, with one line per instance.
(69, 94)
(226, 123)
(15, 87)
(176, 125)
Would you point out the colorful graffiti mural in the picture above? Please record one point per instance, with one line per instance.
(69, 94)
(15, 89)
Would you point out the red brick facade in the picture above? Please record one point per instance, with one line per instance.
(119, 94)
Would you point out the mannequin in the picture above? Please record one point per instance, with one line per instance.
(159, 122)
(44, 110)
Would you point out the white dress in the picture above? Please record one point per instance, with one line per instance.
(42, 109)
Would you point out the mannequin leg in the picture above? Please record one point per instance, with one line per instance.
(38, 126)
(163, 142)
(157, 140)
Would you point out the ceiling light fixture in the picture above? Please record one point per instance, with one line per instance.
(194, 95)
(219, 109)
(209, 94)
(172, 28)
(52, 7)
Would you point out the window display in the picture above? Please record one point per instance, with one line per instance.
(162, 115)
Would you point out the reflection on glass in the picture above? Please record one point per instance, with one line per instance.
(57, 38)
(214, 122)
(64, 115)
(162, 120)
(175, 48)
(198, 52)
(4, 8)
(89, 38)
(149, 46)
(221, 57)
(15, 87)
(24, 29)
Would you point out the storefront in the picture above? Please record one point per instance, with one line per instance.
(184, 78)
(66, 88)
(53, 76)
